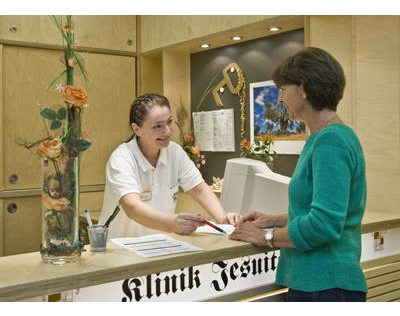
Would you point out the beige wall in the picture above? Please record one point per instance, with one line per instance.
(369, 49)
(98, 32)
(168, 30)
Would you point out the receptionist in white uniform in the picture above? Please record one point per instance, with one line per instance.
(143, 176)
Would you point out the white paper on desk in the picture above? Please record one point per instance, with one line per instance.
(226, 227)
(154, 245)
(209, 230)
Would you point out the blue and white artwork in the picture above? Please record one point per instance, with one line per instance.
(268, 116)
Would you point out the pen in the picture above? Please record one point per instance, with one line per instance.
(213, 226)
(111, 217)
(88, 218)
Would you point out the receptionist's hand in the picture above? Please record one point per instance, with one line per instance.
(187, 223)
(233, 218)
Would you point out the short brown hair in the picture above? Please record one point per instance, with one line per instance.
(318, 72)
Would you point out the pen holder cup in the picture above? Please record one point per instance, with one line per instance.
(97, 237)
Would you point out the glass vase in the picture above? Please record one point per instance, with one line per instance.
(60, 210)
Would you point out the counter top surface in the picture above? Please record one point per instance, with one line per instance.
(377, 221)
(26, 275)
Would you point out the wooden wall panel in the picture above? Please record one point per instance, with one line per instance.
(1, 120)
(152, 74)
(27, 71)
(111, 91)
(165, 30)
(378, 106)
(369, 49)
(23, 229)
(176, 82)
(93, 201)
(327, 32)
(1, 228)
(95, 31)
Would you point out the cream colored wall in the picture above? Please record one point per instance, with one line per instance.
(369, 49)
(176, 83)
(151, 74)
(167, 30)
(99, 32)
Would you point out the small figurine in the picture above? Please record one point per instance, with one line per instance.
(217, 184)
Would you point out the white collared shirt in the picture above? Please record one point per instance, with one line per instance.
(128, 171)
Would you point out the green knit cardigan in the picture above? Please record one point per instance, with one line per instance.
(327, 197)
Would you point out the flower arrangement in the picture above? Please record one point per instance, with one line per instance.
(60, 153)
(192, 151)
(187, 139)
(260, 150)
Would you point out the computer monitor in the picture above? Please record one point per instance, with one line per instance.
(249, 185)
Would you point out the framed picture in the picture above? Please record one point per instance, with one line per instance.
(268, 116)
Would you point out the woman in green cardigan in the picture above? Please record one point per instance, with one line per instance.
(320, 237)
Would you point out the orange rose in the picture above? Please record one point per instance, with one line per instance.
(75, 96)
(245, 143)
(266, 138)
(188, 138)
(50, 148)
(55, 204)
(195, 151)
(263, 137)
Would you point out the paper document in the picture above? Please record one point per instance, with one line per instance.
(214, 130)
(226, 227)
(209, 230)
(154, 245)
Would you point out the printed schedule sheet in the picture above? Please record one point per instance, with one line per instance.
(214, 130)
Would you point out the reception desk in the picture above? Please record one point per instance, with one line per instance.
(26, 275)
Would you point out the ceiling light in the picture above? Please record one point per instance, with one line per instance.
(274, 28)
(237, 38)
(205, 45)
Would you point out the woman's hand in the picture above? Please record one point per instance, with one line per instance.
(186, 223)
(249, 232)
(259, 219)
(249, 229)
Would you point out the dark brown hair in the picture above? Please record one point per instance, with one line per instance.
(318, 72)
(142, 105)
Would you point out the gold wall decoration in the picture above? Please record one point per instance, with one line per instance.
(227, 81)
(240, 90)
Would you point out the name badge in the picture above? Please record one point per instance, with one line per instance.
(146, 196)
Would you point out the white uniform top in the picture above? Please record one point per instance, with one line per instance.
(128, 171)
